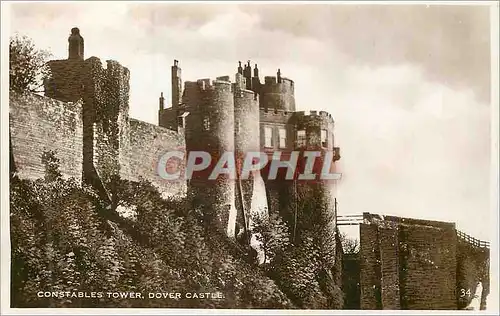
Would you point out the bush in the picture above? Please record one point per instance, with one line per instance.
(65, 239)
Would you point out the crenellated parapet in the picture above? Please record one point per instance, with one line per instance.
(277, 93)
(314, 129)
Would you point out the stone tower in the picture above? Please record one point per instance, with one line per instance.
(105, 95)
(247, 139)
(208, 109)
(314, 205)
(250, 116)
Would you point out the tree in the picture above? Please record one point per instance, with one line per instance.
(349, 245)
(27, 65)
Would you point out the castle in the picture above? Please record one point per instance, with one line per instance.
(245, 116)
(211, 115)
(84, 119)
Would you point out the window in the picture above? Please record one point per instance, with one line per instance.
(180, 121)
(324, 138)
(268, 137)
(206, 123)
(282, 135)
(301, 138)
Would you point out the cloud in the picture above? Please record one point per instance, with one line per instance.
(424, 153)
(451, 43)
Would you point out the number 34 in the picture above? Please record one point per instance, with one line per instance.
(464, 293)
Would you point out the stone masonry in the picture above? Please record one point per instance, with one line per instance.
(418, 264)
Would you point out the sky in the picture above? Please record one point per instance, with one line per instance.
(408, 85)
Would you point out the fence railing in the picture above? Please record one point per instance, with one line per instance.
(349, 219)
(473, 241)
(358, 219)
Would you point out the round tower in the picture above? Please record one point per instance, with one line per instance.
(209, 127)
(277, 93)
(247, 139)
(315, 198)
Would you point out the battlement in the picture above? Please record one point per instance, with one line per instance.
(277, 93)
(276, 112)
(273, 84)
(273, 80)
(238, 93)
(72, 79)
(322, 114)
(207, 83)
(321, 118)
(240, 85)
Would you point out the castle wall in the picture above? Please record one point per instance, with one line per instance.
(316, 212)
(276, 119)
(72, 80)
(67, 82)
(309, 205)
(168, 118)
(370, 273)
(389, 268)
(430, 281)
(407, 264)
(246, 113)
(39, 124)
(351, 281)
(109, 100)
(141, 152)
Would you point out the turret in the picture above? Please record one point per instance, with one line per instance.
(162, 101)
(240, 69)
(256, 80)
(176, 84)
(247, 73)
(277, 93)
(75, 47)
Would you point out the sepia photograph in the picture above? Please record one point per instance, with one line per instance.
(249, 157)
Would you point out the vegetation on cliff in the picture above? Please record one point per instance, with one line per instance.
(63, 238)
